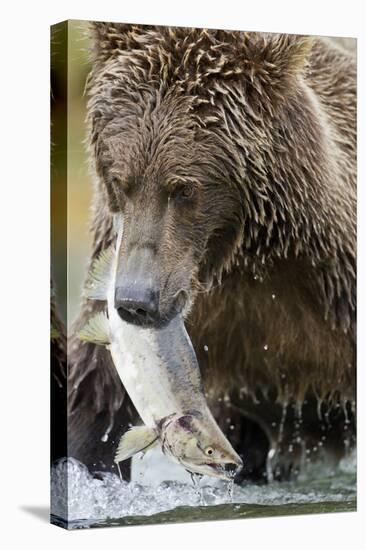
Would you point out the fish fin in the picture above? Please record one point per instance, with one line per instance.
(96, 330)
(96, 286)
(135, 440)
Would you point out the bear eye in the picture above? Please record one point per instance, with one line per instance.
(119, 186)
(185, 192)
(116, 181)
(209, 451)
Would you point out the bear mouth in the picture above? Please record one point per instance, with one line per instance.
(159, 319)
(146, 320)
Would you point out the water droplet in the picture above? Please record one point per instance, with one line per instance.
(265, 347)
(205, 348)
(271, 453)
(230, 490)
(105, 437)
(273, 296)
(269, 465)
(119, 472)
(283, 420)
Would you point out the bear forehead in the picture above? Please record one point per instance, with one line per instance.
(175, 159)
(190, 67)
(208, 67)
(159, 133)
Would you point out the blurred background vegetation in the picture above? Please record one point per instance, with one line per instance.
(71, 181)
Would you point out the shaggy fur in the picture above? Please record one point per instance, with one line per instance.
(262, 130)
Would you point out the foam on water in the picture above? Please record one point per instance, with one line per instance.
(78, 496)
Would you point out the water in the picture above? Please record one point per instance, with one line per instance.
(147, 499)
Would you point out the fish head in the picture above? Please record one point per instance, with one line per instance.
(195, 441)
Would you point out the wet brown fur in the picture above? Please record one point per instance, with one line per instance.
(264, 127)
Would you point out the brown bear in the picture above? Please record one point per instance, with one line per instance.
(232, 156)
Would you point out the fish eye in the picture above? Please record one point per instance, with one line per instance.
(209, 451)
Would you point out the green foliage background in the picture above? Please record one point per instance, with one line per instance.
(71, 184)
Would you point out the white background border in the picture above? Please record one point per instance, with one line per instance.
(24, 218)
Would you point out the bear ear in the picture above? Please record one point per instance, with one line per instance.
(289, 52)
(277, 60)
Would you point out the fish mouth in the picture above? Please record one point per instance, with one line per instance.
(226, 471)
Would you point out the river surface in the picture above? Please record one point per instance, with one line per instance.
(161, 492)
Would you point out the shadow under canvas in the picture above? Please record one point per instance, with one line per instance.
(40, 512)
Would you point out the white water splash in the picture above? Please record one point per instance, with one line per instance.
(78, 496)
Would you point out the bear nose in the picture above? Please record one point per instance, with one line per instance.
(136, 304)
(137, 291)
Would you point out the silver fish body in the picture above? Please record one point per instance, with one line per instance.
(160, 372)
